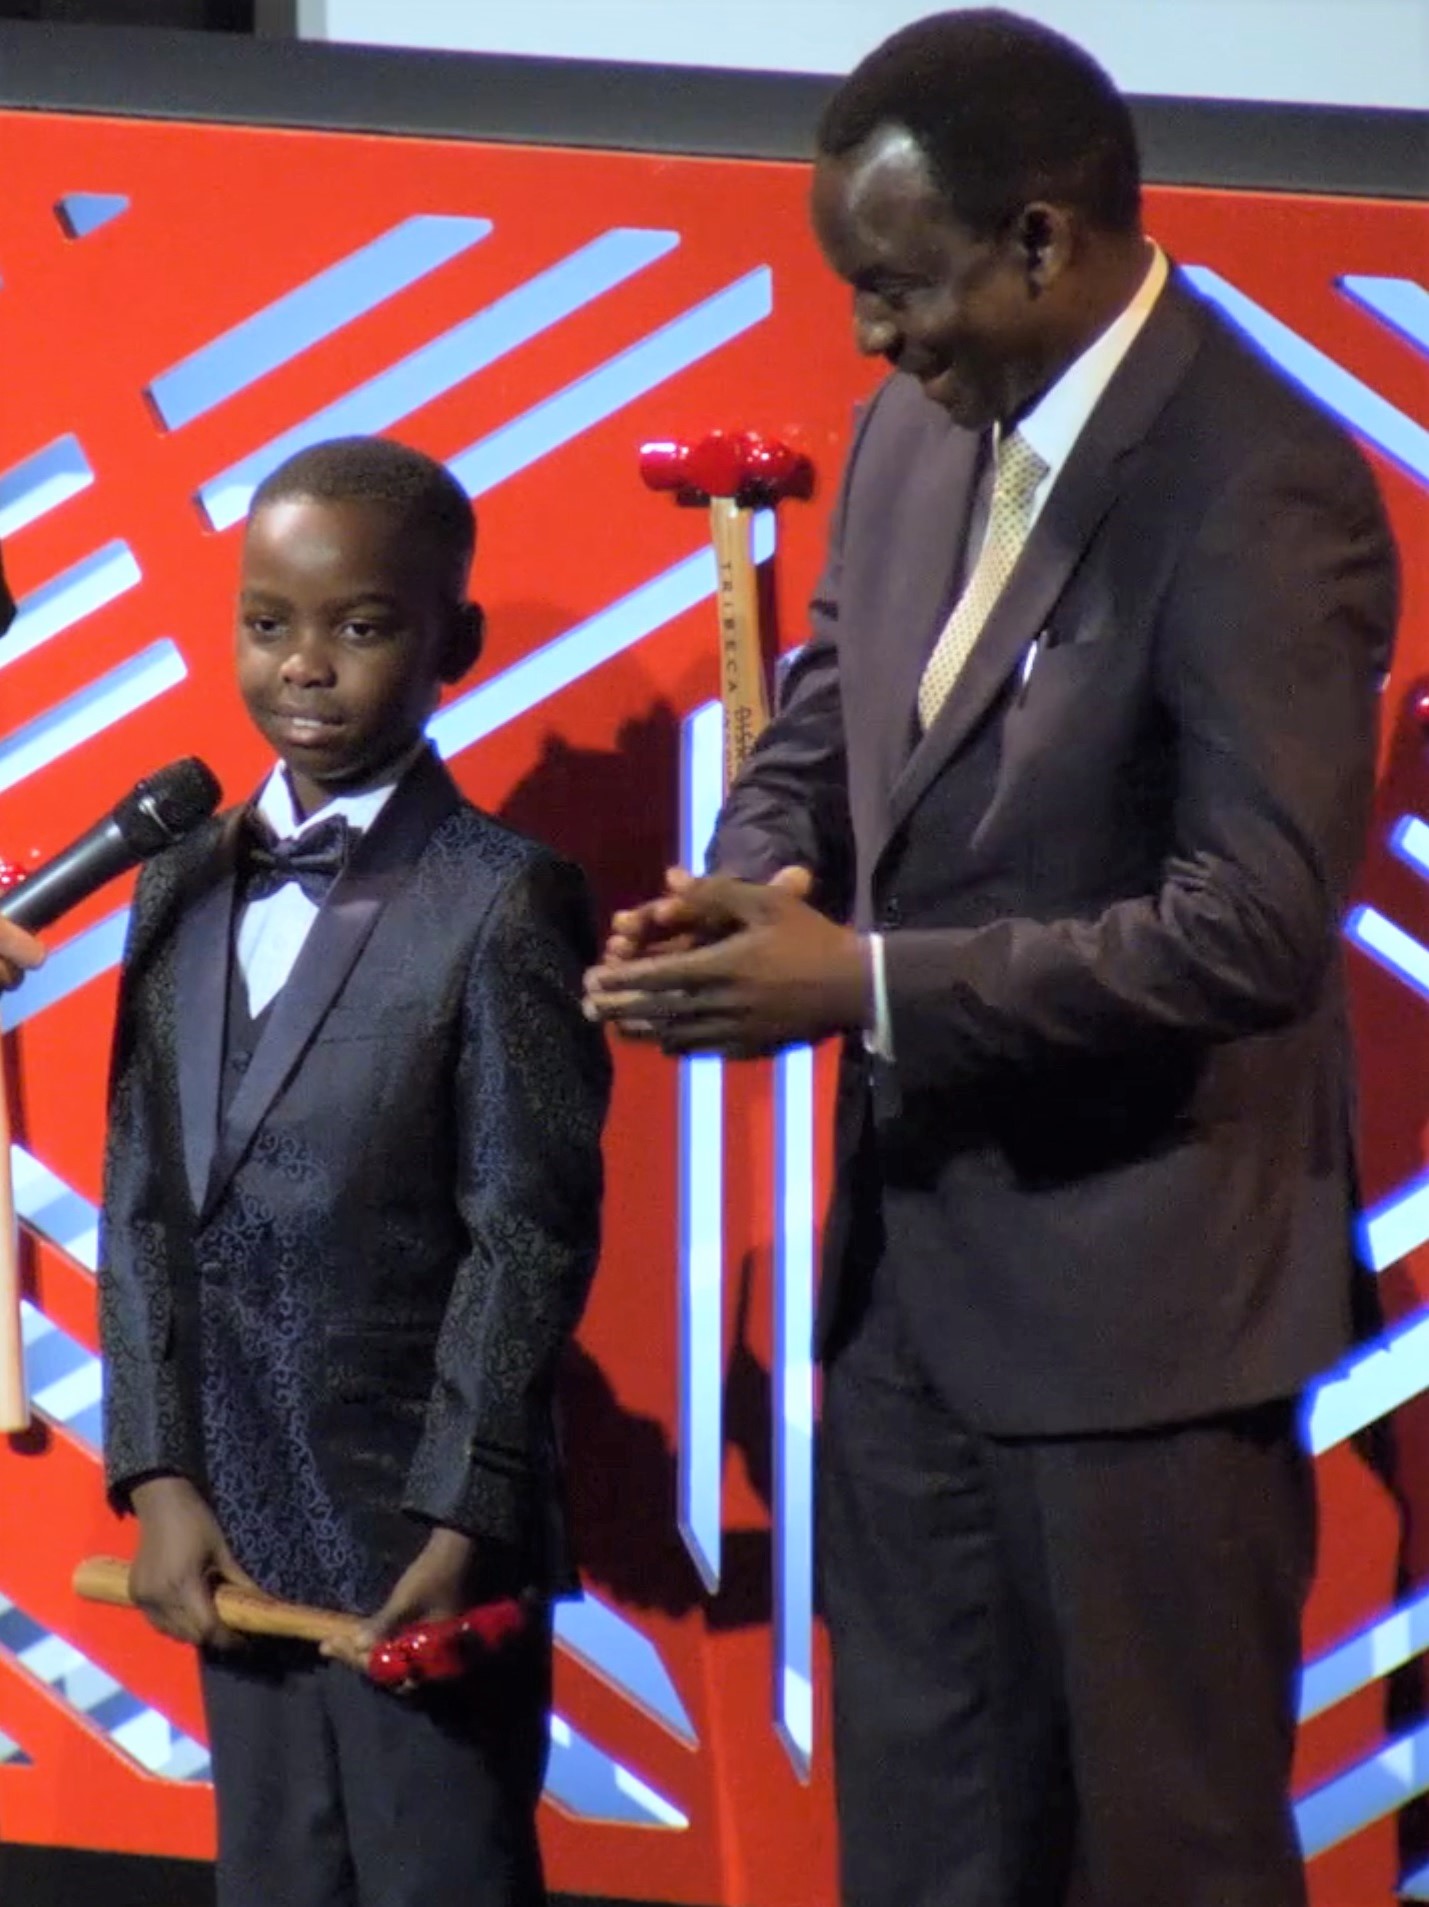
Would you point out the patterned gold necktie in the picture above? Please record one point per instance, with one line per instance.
(1019, 471)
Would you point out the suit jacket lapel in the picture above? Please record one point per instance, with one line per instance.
(377, 870)
(924, 593)
(1081, 496)
(202, 951)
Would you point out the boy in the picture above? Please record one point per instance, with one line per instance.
(351, 1214)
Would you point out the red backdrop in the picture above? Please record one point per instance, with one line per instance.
(221, 222)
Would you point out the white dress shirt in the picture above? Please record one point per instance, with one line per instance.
(1052, 428)
(271, 930)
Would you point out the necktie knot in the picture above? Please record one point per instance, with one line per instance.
(314, 858)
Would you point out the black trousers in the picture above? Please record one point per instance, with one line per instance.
(1064, 1672)
(333, 1793)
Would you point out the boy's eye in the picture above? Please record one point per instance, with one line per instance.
(364, 629)
(262, 628)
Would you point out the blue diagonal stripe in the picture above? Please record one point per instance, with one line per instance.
(67, 598)
(1397, 1225)
(70, 967)
(81, 213)
(1400, 953)
(41, 483)
(1362, 408)
(1373, 1788)
(614, 1649)
(89, 711)
(1369, 1384)
(1368, 1657)
(63, 1376)
(1409, 839)
(91, 1693)
(311, 312)
(449, 360)
(612, 385)
(1415, 1886)
(570, 656)
(54, 1210)
(583, 1781)
(1398, 301)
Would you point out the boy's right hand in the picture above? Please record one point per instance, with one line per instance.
(181, 1555)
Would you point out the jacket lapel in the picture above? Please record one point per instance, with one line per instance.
(1081, 496)
(378, 868)
(925, 591)
(202, 951)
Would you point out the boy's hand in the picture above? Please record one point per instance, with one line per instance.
(20, 953)
(182, 1554)
(432, 1589)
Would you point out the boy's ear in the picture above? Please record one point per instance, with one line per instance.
(468, 628)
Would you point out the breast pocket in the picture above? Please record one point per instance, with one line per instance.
(401, 1022)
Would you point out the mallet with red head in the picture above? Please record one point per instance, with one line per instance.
(735, 472)
(426, 1652)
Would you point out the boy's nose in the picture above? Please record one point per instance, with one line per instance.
(874, 332)
(307, 662)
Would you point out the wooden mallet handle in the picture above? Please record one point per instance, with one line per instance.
(246, 1611)
(743, 686)
(14, 1399)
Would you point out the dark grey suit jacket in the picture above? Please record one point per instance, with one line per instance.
(1109, 1168)
(338, 1302)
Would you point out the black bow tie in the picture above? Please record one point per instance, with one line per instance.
(313, 859)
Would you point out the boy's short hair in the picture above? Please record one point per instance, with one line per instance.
(378, 470)
(1004, 110)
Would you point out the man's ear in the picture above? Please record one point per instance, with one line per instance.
(463, 650)
(1044, 238)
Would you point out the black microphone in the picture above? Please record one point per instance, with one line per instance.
(155, 814)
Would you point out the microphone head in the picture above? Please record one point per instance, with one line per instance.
(167, 805)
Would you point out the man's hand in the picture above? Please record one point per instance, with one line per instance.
(762, 970)
(20, 953)
(432, 1589)
(667, 925)
(182, 1554)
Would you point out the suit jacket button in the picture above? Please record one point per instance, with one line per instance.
(892, 914)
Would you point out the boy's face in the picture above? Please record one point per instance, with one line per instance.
(346, 630)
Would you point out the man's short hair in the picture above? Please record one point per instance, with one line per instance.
(424, 493)
(1005, 112)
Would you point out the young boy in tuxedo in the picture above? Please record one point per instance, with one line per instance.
(351, 1214)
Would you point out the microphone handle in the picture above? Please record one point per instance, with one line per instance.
(75, 873)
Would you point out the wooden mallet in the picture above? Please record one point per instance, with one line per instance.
(735, 473)
(425, 1652)
(14, 1393)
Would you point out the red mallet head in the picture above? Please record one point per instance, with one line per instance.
(739, 464)
(442, 1651)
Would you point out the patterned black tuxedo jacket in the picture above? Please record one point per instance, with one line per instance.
(1108, 1170)
(336, 1297)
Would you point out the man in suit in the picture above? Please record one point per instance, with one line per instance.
(1078, 759)
(351, 1215)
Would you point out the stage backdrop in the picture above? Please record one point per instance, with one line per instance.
(179, 306)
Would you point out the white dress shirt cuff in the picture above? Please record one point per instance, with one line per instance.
(878, 1038)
